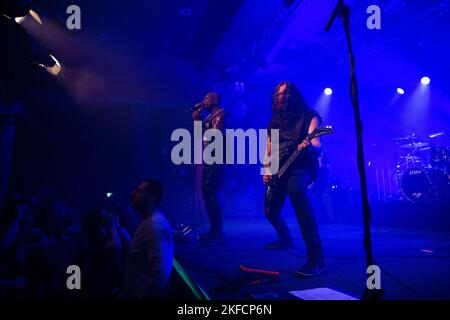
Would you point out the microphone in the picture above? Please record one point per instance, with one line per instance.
(334, 14)
(195, 107)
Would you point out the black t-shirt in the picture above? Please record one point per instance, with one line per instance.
(308, 159)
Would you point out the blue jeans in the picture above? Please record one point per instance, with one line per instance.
(295, 185)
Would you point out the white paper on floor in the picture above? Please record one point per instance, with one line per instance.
(321, 294)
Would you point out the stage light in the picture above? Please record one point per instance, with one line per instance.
(328, 91)
(400, 91)
(55, 69)
(31, 14)
(19, 19)
(425, 80)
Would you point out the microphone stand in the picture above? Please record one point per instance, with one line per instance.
(343, 11)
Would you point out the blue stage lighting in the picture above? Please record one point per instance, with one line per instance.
(425, 80)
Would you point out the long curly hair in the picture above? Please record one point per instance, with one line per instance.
(284, 116)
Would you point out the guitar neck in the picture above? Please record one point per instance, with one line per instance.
(292, 158)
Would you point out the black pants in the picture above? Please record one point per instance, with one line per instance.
(295, 185)
(212, 181)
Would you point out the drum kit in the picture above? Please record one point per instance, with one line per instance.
(423, 167)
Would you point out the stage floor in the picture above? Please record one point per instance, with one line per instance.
(419, 259)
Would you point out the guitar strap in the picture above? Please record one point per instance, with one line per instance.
(298, 128)
(297, 132)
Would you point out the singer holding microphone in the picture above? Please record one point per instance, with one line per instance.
(212, 177)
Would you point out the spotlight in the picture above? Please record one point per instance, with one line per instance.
(400, 91)
(55, 69)
(425, 80)
(19, 20)
(328, 91)
(32, 14)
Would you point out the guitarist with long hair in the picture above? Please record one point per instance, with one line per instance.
(295, 120)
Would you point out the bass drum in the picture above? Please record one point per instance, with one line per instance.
(420, 184)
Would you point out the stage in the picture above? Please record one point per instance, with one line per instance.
(119, 123)
(419, 259)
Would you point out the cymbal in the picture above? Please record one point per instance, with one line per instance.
(438, 134)
(412, 158)
(406, 138)
(415, 145)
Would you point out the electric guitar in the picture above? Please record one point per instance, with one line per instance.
(274, 182)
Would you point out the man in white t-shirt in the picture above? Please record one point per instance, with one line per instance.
(149, 262)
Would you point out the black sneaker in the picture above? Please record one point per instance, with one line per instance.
(280, 244)
(312, 267)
